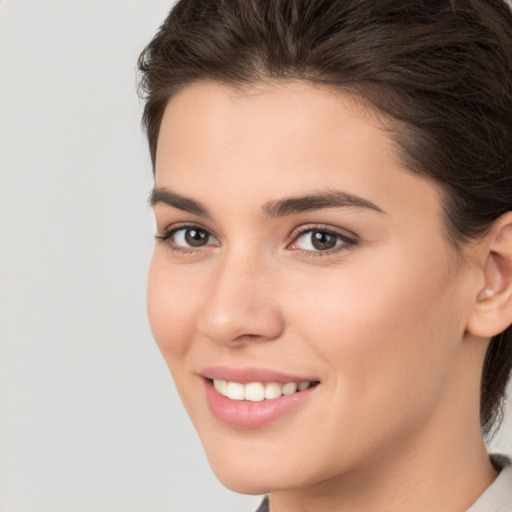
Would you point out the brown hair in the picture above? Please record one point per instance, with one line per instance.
(441, 69)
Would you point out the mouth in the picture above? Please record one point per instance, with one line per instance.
(259, 391)
(246, 398)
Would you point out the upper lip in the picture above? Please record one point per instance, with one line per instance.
(244, 375)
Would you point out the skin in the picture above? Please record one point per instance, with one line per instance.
(388, 324)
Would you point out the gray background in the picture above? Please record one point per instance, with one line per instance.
(89, 418)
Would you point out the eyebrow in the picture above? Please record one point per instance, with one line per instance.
(317, 201)
(273, 209)
(163, 195)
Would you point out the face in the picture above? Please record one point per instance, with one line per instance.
(302, 291)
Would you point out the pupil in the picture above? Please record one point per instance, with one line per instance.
(323, 241)
(196, 237)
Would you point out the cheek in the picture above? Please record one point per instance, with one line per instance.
(171, 302)
(384, 328)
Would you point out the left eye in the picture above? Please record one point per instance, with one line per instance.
(191, 237)
(319, 240)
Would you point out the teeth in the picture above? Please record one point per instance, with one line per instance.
(221, 386)
(289, 388)
(235, 391)
(257, 391)
(272, 390)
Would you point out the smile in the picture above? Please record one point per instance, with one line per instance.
(258, 391)
(250, 398)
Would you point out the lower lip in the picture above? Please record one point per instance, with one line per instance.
(247, 414)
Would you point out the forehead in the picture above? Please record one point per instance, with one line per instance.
(291, 101)
(281, 138)
(295, 118)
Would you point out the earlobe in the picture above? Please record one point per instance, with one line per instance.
(492, 309)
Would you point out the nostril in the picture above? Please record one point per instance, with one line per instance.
(243, 323)
(249, 337)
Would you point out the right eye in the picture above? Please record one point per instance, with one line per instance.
(188, 237)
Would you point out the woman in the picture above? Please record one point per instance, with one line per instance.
(331, 285)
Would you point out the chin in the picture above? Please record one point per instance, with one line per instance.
(257, 483)
(255, 474)
(244, 484)
(245, 475)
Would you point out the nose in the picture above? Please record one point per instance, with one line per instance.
(241, 304)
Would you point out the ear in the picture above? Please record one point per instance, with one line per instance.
(492, 309)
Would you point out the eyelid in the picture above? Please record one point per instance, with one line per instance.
(350, 240)
(166, 235)
(175, 226)
(342, 232)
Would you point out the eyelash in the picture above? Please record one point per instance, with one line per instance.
(167, 235)
(347, 242)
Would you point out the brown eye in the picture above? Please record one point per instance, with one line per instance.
(318, 240)
(188, 237)
(323, 240)
(195, 237)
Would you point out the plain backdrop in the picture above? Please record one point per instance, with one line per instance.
(90, 420)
